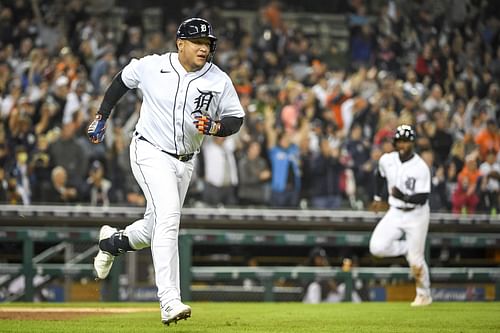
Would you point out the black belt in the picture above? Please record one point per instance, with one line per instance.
(406, 209)
(182, 158)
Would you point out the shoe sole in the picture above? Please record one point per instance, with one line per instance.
(181, 315)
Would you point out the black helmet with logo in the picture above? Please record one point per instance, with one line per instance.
(197, 28)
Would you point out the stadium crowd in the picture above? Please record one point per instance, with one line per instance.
(317, 119)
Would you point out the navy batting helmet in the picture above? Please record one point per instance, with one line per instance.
(197, 28)
(405, 133)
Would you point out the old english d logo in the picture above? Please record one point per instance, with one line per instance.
(202, 102)
(410, 183)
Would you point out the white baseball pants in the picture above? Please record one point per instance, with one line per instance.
(386, 241)
(164, 181)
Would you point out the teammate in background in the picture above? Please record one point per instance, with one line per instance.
(185, 97)
(408, 184)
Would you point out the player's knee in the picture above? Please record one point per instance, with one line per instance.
(377, 248)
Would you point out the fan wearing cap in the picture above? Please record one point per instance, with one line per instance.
(186, 97)
(406, 177)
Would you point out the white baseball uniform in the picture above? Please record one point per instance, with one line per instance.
(171, 98)
(411, 177)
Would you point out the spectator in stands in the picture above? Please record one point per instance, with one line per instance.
(254, 176)
(326, 174)
(320, 289)
(385, 130)
(40, 169)
(489, 184)
(358, 149)
(66, 152)
(325, 289)
(57, 96)
(457, 115)
(464, 199)
(427, 66)
(438, 196)
(285, 168)
(488, 139)
(60, 192)
(9, 190)
(101, 68)
(78, 101)
(132, 41)
(20, 171)
(20, 125)
(435, 101)
(4, 186)
(362, 42)
(221, 171)
(97, 189)
(412, 86)
(442, 140)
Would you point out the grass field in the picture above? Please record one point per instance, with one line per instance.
(254, 317)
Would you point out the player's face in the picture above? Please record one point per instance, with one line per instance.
(404, 148)
(193, 53)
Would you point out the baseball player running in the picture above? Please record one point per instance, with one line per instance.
(408, 183)
(185, 97)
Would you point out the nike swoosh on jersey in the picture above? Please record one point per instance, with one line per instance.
(164, 71)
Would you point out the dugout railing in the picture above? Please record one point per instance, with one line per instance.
(30, 265)
(267, 275)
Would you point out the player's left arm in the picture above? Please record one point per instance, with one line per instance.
(417, 198)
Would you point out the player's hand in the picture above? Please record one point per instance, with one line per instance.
(379, 206)
(206, 125)
(96, 129)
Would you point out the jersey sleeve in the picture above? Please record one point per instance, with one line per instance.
(381, 165)
(131, 74)
(230, 105)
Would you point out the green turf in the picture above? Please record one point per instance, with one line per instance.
(279, 317)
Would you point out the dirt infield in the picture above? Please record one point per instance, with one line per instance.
(18, 313)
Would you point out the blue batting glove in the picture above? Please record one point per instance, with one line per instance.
(206, 125)
(96, 129)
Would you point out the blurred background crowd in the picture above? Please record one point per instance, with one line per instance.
(319, 113)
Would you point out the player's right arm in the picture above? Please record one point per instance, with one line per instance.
(112, 95)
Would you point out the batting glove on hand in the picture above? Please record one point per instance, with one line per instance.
(206, 125)
(96, 129)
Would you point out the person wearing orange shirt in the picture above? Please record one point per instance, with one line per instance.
(488, 139)
(465, 198)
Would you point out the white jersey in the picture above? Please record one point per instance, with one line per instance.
(411, 177)
(172, 97)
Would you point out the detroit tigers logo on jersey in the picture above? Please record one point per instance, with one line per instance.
(202, 102)
(410, 183)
